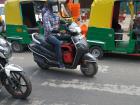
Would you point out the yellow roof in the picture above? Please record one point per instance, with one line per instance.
(101, 13)
(12, 12)
(13, 15)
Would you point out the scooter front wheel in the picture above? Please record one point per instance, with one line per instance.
(90, 69)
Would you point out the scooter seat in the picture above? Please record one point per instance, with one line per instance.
(47, 45)
(43, 43)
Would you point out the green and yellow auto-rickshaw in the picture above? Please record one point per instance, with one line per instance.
(108, 32)
(21, 21)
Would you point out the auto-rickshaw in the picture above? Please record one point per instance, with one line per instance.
(107, 34)
(22, 19)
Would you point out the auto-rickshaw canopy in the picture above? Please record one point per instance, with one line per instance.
(102, 13)
(13, 15)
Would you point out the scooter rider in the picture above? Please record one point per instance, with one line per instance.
(51, 22)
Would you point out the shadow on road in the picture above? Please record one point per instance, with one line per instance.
(121, 57)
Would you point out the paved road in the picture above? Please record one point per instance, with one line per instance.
(117, 83)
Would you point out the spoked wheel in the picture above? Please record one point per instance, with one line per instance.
(19, 86)
(97, 52)
(89, 69)
(17, 47)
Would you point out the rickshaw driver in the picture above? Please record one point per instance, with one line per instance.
(136, 24)
(51, 23)
(136, 29)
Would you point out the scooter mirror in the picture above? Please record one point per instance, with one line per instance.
(55, 9)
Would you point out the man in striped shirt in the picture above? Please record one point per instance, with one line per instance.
(51, 22)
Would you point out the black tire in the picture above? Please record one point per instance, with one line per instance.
(97, 52)
(90, 69)
(42, 66)
(17, 47)
(16, 90)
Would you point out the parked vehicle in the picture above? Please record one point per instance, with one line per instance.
(12, 76)
(20, 23)
(74, 49)
(106, 34)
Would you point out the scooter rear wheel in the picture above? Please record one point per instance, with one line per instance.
(90, 69)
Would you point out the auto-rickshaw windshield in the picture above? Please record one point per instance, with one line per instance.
(60, 8)
(38, 10)
(34, 13)
(124, 15)
(134, 8)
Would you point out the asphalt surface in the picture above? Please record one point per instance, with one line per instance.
(117, 83)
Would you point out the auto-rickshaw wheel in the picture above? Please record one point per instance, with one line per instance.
(97, 52)
(17, 47)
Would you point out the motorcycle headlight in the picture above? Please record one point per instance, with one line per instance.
(8, 51)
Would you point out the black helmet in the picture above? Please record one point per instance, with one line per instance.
(51, 3)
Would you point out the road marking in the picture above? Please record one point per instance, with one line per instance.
(77, 84)
(4, 101)
(36, 101)
(64, 103)
(103, 68)
(15, 102)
